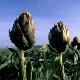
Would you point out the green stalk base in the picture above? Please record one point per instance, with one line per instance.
(22, 65)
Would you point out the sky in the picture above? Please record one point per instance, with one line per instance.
(45, 13)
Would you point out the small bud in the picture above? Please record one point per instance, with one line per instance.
(75, 42)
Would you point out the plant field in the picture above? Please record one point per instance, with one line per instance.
(43, 63)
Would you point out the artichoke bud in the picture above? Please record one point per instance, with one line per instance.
(59, 37)
(75, 41)
(23, 32)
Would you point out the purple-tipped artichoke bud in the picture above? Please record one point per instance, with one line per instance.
(23, 32)
(59, 37)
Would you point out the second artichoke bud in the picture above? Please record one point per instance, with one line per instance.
(23, 32)
(59, 37)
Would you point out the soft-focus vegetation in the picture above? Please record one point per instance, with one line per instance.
(43, 64)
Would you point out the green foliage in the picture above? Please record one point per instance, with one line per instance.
(5, 55)
(44, 64)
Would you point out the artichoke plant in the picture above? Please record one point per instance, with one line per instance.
(22, 35)
(59, 36)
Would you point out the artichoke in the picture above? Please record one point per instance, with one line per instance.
(75, 42)
(59, 37)
(23, 32)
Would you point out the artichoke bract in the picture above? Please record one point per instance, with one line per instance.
(59, 37)
(23, 32)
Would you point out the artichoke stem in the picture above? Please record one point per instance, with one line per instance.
(22, 62)
(62, 66)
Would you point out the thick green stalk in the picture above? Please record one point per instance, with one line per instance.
(62, 66)
(22, 65)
